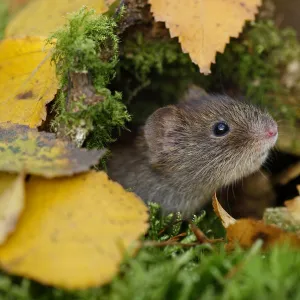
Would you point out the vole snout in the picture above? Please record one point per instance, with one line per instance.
(272, 131)
(267, 132)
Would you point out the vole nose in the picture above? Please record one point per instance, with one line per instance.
(272, 131)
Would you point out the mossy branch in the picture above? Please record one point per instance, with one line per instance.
(86, 55)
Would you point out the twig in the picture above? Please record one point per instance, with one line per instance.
(168, 243)
(170, 225)
(173, 241)
(177, 237)
(201, 237)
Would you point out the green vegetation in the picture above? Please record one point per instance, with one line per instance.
(88, 45)
(175, 272)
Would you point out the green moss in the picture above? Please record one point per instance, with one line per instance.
(183, 273)
(4, 17)
(255, 64)
(88, 44)
(152, 73)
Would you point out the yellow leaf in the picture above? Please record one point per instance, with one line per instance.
(27, 81)
(74, 231)
(12, 196)
(204, 27)
(40, 153)
(42, 17)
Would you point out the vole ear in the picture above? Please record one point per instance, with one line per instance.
(159, 132)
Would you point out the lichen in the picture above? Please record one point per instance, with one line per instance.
(281, 217)
(88, 44)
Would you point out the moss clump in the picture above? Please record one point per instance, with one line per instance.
(255, 65)
(152, 73)
(88, 45)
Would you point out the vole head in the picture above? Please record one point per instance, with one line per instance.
(214, 140)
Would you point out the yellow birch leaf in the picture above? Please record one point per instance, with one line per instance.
(74, 231)
(27, 81)
(204, 27)
(40, 153)
(42, 17)
(12, 198)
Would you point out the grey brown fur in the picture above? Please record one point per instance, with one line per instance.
(179, 163)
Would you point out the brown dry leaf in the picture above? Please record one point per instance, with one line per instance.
(204, 27)
(27, 81)
(12, 198)
(245, 232)
(226, 219)
(42, 17)
(74, 231)
(40, 153)
(293, 206)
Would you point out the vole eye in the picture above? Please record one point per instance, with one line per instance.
(220, 129)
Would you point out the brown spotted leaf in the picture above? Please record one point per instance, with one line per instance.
(40, 153)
